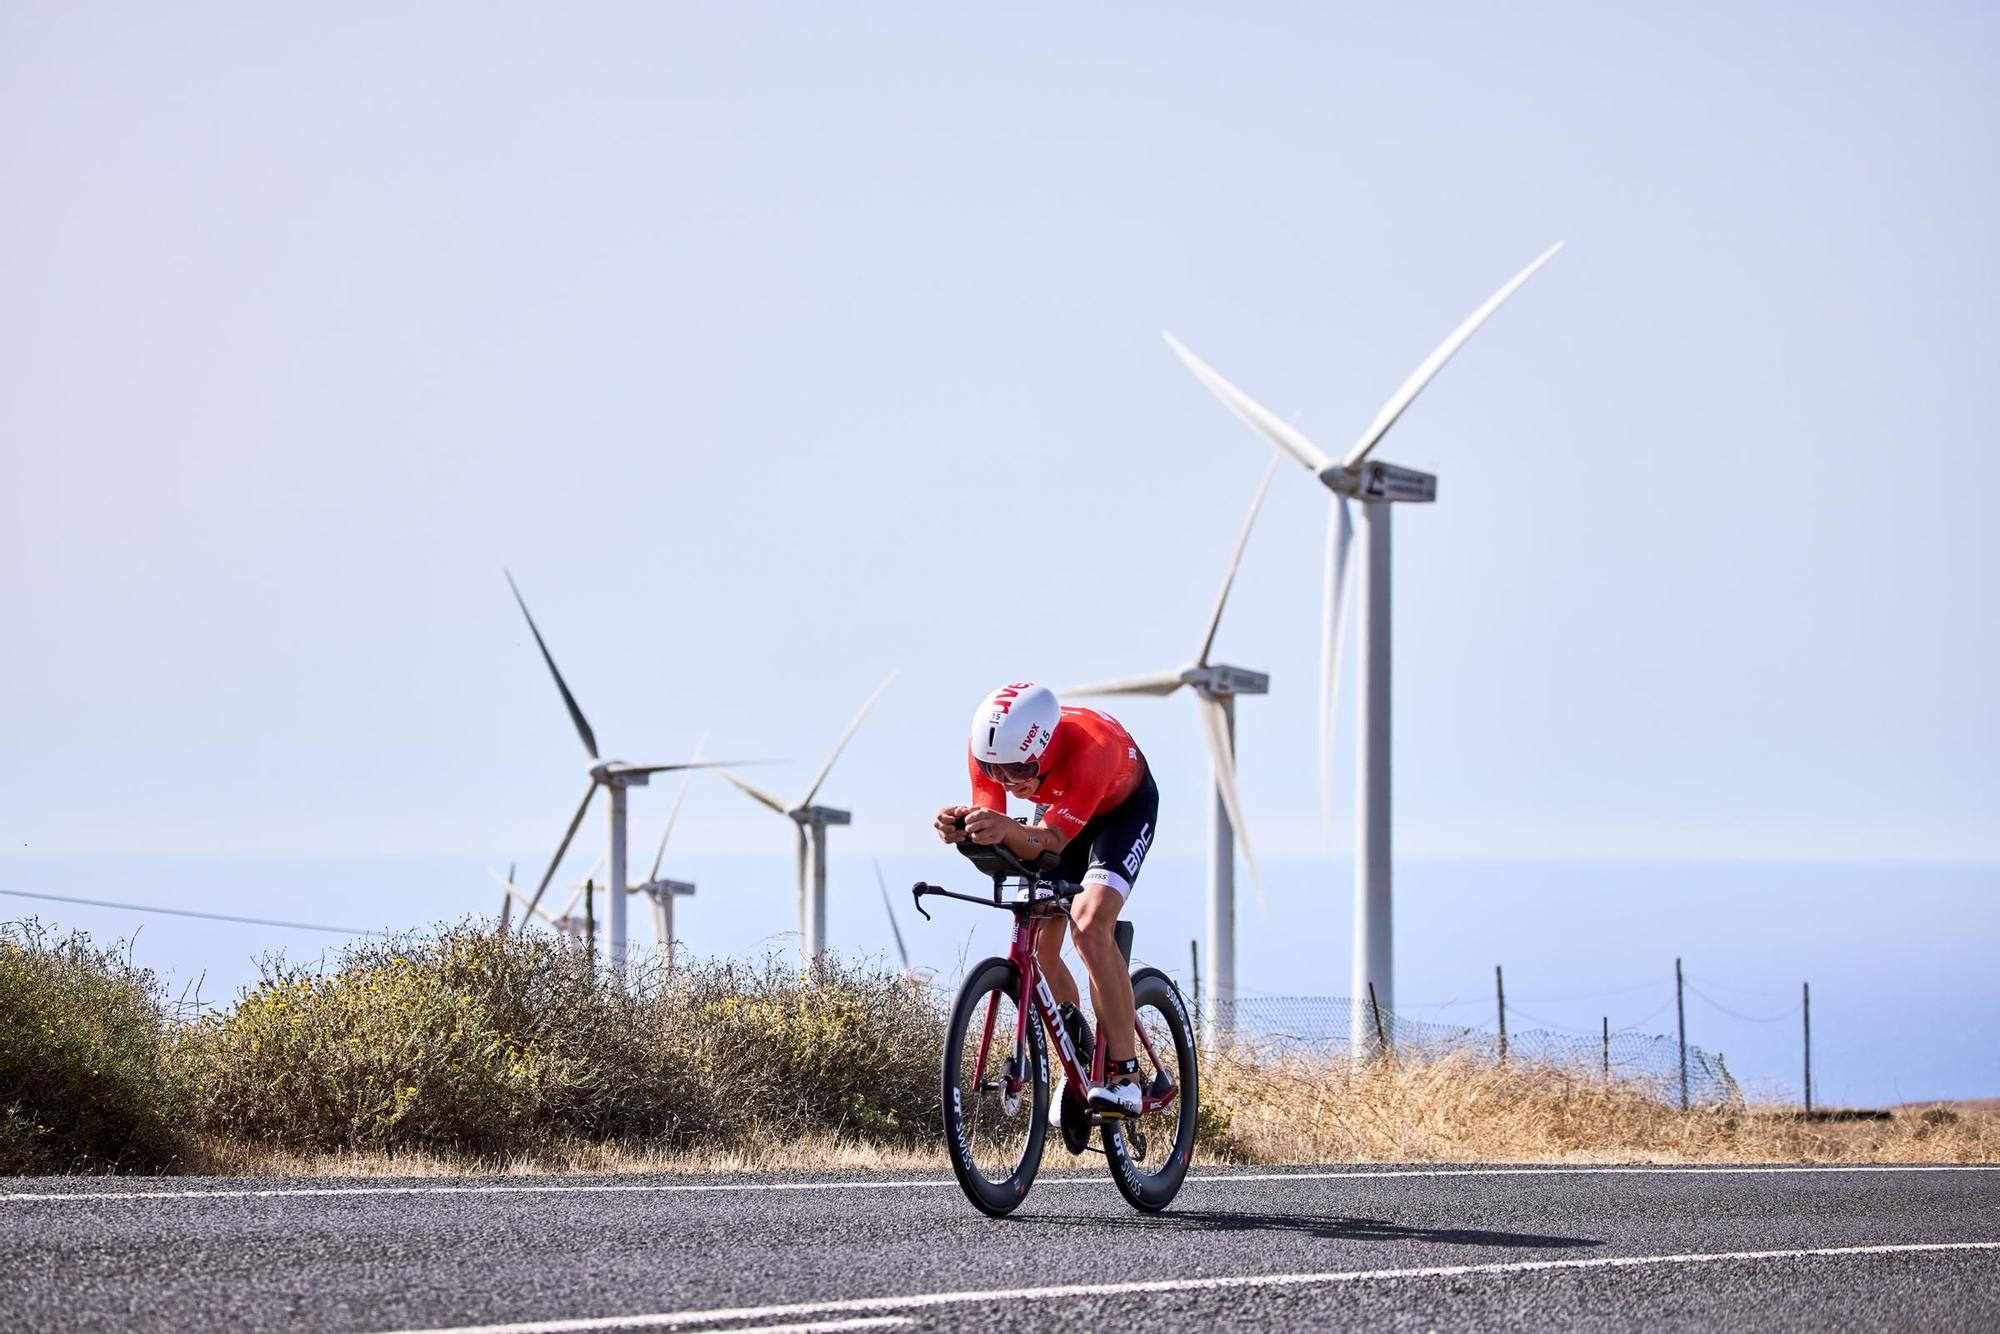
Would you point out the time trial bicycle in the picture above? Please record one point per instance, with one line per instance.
(996, 1069)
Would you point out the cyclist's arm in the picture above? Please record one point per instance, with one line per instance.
(1029, 841)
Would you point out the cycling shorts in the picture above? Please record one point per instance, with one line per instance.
(1110, 848)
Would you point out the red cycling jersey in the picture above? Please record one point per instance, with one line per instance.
(1092, 764)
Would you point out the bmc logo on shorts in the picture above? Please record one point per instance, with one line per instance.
(1138, 852)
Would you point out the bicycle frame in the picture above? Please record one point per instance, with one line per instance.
(1029, 918)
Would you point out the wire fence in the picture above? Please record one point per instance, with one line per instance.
(1338, 1027)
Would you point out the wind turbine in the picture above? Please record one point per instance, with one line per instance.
(811, 822)
(1376, 485)
(661, 892)
(1216, 686)
(614, 776)
(566, 922)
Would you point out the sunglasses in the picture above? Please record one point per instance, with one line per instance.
(1010, 773)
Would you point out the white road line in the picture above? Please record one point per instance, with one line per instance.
(824, 1326)
(933, 1300)
(730, 1187)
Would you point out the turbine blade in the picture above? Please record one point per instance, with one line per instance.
(1160, 683)
(890, 908)
(841, 744)
(1434, 363)
(513, 895)
(1274, 428)
(757, 792)
(674, 813)
(569, 700)
(1221, 754)
(689, 764)
(563, 846)
(506, 899)
(1235, 559)
(1339, 541)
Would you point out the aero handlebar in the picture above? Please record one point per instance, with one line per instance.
(999, 864)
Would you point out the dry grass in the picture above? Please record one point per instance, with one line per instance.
(1460, 1109)
(1289, 1111)
(817, 1154)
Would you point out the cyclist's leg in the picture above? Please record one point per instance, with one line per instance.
(1117, 850)
(1094, 913)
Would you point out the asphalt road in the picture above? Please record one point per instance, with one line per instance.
(1395, 1248)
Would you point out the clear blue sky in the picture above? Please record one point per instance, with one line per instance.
(775, 347)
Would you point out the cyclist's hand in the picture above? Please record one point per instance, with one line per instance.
(984, 826)
(947, 823)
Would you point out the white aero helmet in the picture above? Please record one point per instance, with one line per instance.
(1014, 723)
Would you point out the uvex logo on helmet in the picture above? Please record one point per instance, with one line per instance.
(1004, 697)
(1029, 740)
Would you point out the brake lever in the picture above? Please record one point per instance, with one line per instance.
(917, 897)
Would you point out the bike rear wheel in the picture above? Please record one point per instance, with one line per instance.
(1149, 1157)
(994, 1138)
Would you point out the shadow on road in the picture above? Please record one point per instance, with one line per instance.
(1321, 1227)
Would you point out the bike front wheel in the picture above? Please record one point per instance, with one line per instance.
(996, 1098)
(1149, 1156)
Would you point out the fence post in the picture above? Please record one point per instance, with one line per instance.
(1808, 1013)
(1607, 1049)
(1381, 1038)
(1680, 1009)
(1194, 969)
(1500, 994)
(590, 924)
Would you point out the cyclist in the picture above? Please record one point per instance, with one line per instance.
(1096, 809)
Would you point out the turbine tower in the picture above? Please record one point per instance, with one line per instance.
(1216, 686)
(811, 822)
(1376, 485)
(614, 776)
(661, 891)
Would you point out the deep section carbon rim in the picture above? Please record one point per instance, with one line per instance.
(1151, 1179)
(994, 1133)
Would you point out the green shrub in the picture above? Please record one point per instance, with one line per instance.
(464, 1041)
(460, 1040)
(837, 1049)
(82, 1088)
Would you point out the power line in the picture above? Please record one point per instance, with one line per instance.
(1645, 1018)
(189, 912)
(1737, 1014)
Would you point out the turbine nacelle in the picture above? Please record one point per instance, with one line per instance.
(660, 887)
(1379, 481)
(609, 772)
(1219, 678)
(820, 815)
